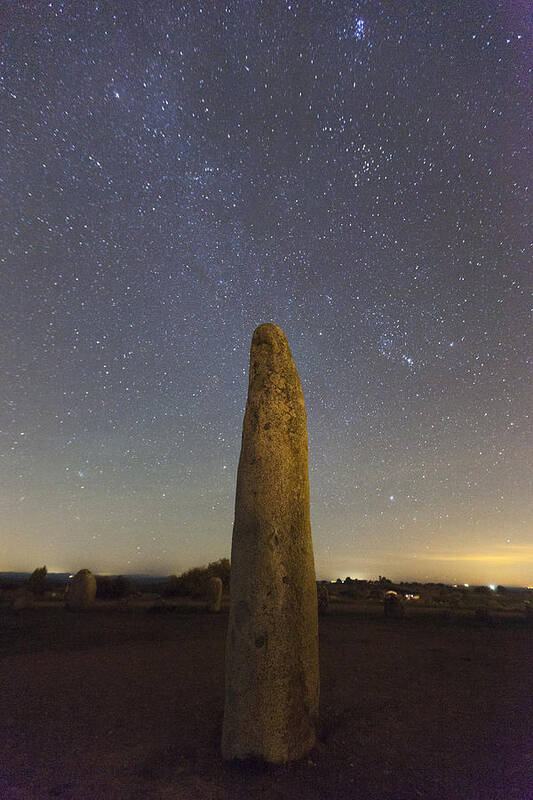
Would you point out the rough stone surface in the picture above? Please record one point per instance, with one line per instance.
(81, 591)
(214, 594)
(323, 598)
(272, 679)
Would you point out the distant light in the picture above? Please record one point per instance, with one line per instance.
(492, 586)
(466, 584)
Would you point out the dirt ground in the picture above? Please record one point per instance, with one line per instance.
(120, 703)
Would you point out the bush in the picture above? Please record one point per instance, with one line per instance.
(37, 581)
(171, 587)
(221, 569)
(116, 588)
(194, 582)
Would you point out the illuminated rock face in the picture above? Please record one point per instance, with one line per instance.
(81, 590)
(272, 680)
(214, 594)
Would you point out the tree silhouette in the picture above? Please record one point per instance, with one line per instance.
(37, 581)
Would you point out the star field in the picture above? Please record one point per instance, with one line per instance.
(174, 174)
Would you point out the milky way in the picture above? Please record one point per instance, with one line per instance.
(172, 175)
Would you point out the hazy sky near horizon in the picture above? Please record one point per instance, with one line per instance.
(172, 175)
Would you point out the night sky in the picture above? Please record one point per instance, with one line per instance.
(174, 174)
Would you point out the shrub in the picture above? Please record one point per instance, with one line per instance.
(37, 581)
(122, 587)
(194, 582)
(220, 569)
(108, 588)
(171, 587)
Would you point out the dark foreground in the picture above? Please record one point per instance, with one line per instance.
(124, 704)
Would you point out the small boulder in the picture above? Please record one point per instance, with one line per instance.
(81, 591)
(393, 606)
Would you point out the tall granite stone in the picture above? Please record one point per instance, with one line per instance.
(81, 591)
(272, 680)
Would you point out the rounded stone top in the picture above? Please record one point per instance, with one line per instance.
(268, 333)
(270, 345)
(273, 377)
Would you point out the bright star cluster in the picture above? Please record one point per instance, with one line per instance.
(174, 174)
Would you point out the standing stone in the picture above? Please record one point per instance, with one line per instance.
(393, 606)
(214, 594)
(81, 591)
(272, 682)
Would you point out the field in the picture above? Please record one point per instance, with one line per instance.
(121, 703)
